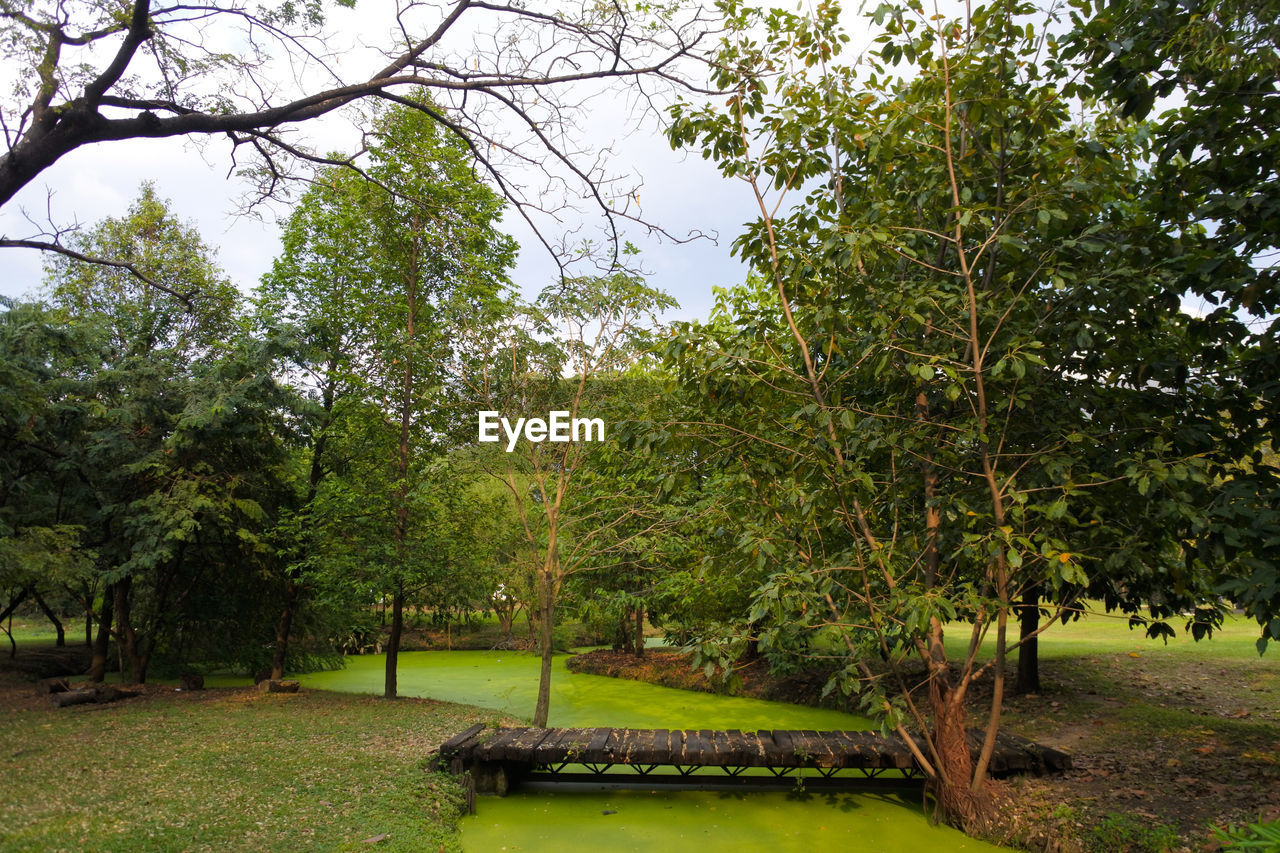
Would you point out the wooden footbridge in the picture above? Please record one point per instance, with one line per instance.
(497, 759)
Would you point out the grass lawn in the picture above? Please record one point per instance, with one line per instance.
(227, 769)
(1168, 739)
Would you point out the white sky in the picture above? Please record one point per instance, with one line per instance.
(680, 193)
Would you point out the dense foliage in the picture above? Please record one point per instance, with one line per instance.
(1008, 343)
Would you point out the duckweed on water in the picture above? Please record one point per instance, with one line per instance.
(668, 821)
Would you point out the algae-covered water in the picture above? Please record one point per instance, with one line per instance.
(667, 821)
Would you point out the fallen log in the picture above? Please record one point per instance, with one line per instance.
(272, 685)
(99, 695)
(53, 685)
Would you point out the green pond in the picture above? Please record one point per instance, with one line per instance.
(668, 821)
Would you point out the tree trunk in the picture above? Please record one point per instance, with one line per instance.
(393, 643)
(282, 630)
(953, 787)
(61, 642)
(136, 649)
(639, 632)
(622, 635)
(1028, 652)
(87, 598)
(546, 626)
(98, 664)
(401, 532)
(8, 614)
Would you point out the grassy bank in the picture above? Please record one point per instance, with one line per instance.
(227, 769)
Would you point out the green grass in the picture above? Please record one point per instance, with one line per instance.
(1102, 633)
(28, 632)
(230, 770)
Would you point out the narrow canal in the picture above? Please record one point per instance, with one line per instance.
(668, 821)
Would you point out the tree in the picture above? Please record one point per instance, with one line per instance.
(380, 272)
(93, 72)
(964, 358)
(1214, 179)
(578, 341)
(180, 450)
(42, 421)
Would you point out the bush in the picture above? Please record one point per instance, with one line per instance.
(1264, 835)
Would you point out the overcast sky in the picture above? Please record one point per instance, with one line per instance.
(681, 193)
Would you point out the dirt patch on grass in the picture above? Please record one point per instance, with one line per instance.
(1163, 747)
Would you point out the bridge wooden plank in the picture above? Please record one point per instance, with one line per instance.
(739, 753)
(845, 749)
(652, 748)
(815, 747)
(708, 738)
(755, 744)
(619, 744)
(721, 749)
(641, 749)
(461, 741)
(570, 745)
(646, 746)
(675, 739)
(522, 748)
(691, 750)
(494, 749)
(783, 752)
(884, 752)
(595, 753)
(712, 757)
(698, 746)
(898, 755)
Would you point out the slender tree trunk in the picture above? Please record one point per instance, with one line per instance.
(282, 629)
(393, 642)
(17, 599)
(87, 597)
(61, 642)
(639, 632)
(8, 614)
(136, 649)
(546, 626)
(402, 475)
(1028, 651)
(101, 645)
(293, 589)
(622, 634)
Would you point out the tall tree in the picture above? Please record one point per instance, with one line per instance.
(382, 271)
(180, 444)
(958, 367)
(578, 341)
(42, 421)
